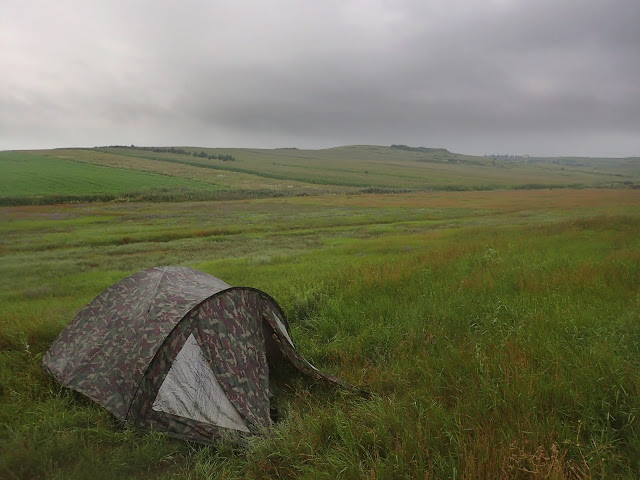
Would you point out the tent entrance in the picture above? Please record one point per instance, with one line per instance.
(191, 390)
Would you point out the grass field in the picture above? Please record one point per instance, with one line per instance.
(138, 174)
(499, 330)
(26, 176)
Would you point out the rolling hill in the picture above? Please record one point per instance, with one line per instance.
(161, 174)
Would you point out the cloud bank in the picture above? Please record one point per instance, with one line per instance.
(542, 78)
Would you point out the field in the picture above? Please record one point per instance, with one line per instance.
(139, 174)
(27, 175)
(499, 330)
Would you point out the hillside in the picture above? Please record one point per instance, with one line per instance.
(136, 173)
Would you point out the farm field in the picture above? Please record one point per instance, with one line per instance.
(499, 331)
(144, 174)
(25, 175)
(387, 167)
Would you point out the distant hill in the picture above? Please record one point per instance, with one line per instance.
(420, 149)
(194, 173)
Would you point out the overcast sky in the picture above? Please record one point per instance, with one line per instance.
(539, 77)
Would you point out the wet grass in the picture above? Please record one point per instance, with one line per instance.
(500, 332)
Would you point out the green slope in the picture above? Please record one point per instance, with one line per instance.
(24, 174)
(288, 171)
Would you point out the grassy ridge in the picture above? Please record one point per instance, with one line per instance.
(133, 174)
(500, 331)
(379, 166)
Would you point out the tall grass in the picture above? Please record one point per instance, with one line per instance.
(500, 346)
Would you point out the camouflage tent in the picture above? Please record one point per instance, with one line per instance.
(176, 350)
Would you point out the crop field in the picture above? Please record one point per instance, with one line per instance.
(27, 175)
(499, 331)
(378, 166)
(143, 174)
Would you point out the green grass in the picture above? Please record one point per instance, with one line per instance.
(384, 167)
(134, 174)
(499, 331)
(29, 175)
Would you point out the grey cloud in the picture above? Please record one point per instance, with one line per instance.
(546, 77)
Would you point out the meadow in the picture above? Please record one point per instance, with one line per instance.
(498, 330)
(139, 174)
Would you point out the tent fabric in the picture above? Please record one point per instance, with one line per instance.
(191, 390)
(177, 350)
(124, 326)
(238, 351)
(239, 364)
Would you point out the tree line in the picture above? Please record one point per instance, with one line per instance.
(181, 151)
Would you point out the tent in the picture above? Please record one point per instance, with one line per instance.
(176, 350)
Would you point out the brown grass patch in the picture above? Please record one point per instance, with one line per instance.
(481, 280)
(584, 275)
(527, 461)
(503, 200)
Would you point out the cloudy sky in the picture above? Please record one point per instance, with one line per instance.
(540, 77)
